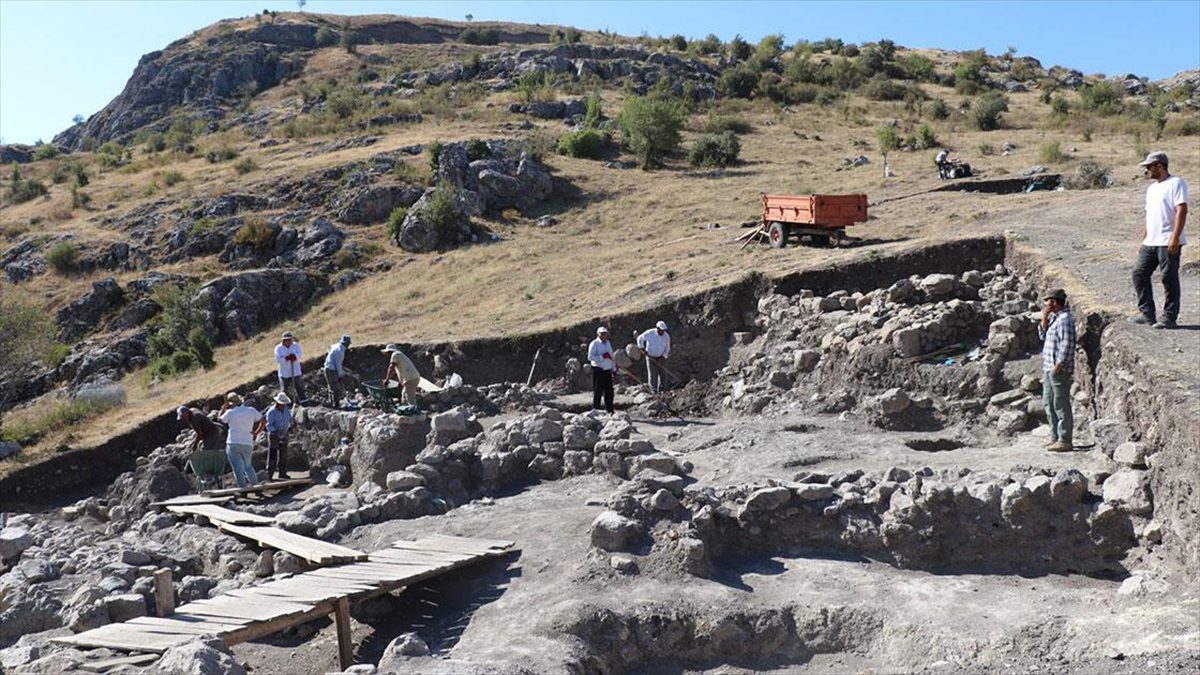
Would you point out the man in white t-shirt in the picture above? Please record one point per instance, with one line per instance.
(1162, 242)
(241, 420)
(656, 347)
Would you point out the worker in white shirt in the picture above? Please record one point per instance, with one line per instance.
(287, 356)
(656, 347)
(600, 355)
(334, 372)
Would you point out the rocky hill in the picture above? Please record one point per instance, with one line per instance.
(294, 167)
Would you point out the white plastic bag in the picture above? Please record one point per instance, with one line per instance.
(454, 381)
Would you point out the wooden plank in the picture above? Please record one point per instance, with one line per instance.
(126, 641)
(312, 550)
(239, 608)
(264, 628)
(261, 487)
(164, 592)
(341, 617)
(214, 512)
(190, 499)
(192, 624)
(137, 661)
(446, 547)
(489, 543)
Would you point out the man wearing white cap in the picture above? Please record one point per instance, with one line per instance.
(656, 347)
(1162, 242)
(277, 423)
(241, 420)
(600, 355)
(401, 369)
(287, 357)
(334, 371)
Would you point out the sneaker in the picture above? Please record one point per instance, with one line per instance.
(1165, 325)
(1142, 320)
(284, 476)
(1061, 446)
(1050, 443)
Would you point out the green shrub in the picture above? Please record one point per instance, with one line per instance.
(888, 140)
(925, 137)
(395, 221)
(326, 37)
(256, 233)
(477, 149)
(710, 44)
(435, 153)
(1187, 127)
(26, 334)
(986, 113)
(172, 178)
(738, 48)
(881, 88)
(986, 149)
(348, 39)
(918, 68)
(440, 211)
(201, 347)
(720, 123)
(63, 257)
(738, 81)
(245, 165)
(678, 43)
(536, 85)
(58, 418)
(1051, 153)
(221, 154)
(476, 36)
(45, 151)
(650, 127)
(583, 144)
(715, 150)
(342, 103)
(22, 190)
(1059, 106)
(594, 112)
(939, 110)
(1102, 98)
(79, 198)
(968, 75)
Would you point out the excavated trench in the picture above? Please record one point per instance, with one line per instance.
(822, 345)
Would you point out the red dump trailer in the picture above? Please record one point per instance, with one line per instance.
(821, 218)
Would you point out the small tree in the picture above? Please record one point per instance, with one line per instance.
(77, 119)
(594, 112)
(470, 17)
(986, 113)
(737, 82)
(651, 127)
(888, 139)
(300, 4)
(739, 49)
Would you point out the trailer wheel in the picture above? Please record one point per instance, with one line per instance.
(777, 235)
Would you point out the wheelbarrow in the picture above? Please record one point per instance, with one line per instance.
(388, 398)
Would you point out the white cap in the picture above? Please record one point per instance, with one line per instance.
(390, 348)
(287, 335)
(601, 330)
(282, 398)
(233, 398)
(661, 325)
(179, 412)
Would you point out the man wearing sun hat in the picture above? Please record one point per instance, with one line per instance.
(1057, 330)
(1162, 242)
(277, 422)
(600, 356)
(401, 369)
(287, 358)
(656, 347)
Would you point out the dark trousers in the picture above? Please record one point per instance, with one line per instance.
(1150, 257)
(277, 447)
(297, 385)
(602, 386)
(335, 387)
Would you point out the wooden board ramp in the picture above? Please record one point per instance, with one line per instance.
(219, 513)
(258, 611)
(261, 487)
(313, 550)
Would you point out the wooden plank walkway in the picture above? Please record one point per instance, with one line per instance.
(261, 487)
(251, 613)
(219, 513)
(313, 550)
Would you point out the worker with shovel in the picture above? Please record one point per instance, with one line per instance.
(401, 370)
(287, 356)
(600, 356)
(656, 347)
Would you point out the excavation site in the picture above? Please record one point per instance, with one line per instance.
(372, 344)
(852, 478)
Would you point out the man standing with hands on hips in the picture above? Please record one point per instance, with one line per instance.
(1162, 242)
(1057, 330)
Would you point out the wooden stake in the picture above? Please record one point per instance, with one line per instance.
(529, 380)
(341, 616)
(164, 593)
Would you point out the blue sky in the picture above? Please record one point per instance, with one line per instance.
(60, 58)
